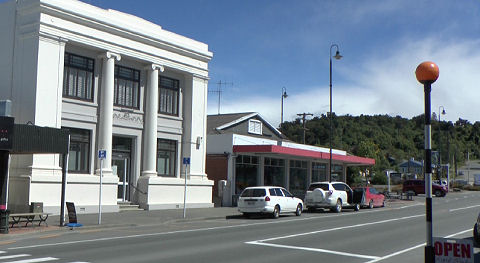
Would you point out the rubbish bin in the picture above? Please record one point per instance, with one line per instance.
(4, 214)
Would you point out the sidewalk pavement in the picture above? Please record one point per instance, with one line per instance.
(129, 218)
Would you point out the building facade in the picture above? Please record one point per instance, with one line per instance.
(119, 83)
(244, 150)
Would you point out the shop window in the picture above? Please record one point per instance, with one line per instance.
(166, 157)
(274, 172)
(78, 77)
(246, 171)
(298, 178)
(126, 87)
(168, 90)
(319, 172)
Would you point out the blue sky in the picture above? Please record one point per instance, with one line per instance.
(260, 46)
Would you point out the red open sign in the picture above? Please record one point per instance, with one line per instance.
(453, 250)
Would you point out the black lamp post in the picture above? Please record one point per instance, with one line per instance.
(284, 96)
(337, 56)
(427, 73)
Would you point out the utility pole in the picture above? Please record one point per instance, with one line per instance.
(219, 91)
(304, 115)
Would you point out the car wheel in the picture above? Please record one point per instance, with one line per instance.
(383, 203)
(356, 207)
(370, 204)
(338, 207)
(438, 193)
(247, 215)
(276, 212)
(476, 238)
(298, 212)
(311, 209)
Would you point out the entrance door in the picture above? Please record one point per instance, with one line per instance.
(121, 167)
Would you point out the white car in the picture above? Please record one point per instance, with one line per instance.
(331, 195)
(271, 200)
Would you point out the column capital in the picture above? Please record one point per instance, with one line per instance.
(154, 66)
(109, 54)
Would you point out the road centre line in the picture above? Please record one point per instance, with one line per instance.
(313, 250)
(463, 208)
(194, 230)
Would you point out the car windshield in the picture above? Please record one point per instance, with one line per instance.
(312, 187)
(253, 193)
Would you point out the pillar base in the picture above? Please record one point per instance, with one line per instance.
(149, 173)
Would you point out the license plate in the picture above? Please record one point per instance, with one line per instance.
(250, 203)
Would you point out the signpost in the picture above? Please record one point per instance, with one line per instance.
(186, 162)
(102, 155)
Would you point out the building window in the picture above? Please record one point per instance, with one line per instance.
(127, 83)
(246, 171)
(274, 172)
(78, 77)
(255, 127)
(79, 153)
(298, 178)
(319, 172)
(168, 90)
(166, 157)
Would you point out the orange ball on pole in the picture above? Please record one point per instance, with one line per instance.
(427, 72)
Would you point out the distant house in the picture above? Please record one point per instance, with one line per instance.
(411, 167)
(243, 150)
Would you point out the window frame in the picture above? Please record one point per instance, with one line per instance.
(116, 88)
(87, 149)
(67, 65)
(252, 127)
(175, 91)
(172, 164)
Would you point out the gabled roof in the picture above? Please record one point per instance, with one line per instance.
(217, 123)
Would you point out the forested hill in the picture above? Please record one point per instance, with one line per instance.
(389, 140)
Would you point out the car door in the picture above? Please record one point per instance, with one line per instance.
(341, 192)
(289, 200)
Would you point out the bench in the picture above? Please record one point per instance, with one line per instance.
(407, 195)
(40, 217)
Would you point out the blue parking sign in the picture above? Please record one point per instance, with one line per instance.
(102, 154)
(186, 160)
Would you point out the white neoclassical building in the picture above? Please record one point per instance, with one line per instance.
(119, 83)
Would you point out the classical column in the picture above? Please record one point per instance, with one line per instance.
(151, 115)
(106, 109)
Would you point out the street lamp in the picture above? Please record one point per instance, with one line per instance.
(337, 56)
(284, 96)
(440, 113)
(427, 73)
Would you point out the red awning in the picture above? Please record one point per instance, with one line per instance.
(287, 151)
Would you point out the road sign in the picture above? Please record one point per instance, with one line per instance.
(453, 250)
(186, 160)
(102, 154)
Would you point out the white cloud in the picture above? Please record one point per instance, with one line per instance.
(386, 84)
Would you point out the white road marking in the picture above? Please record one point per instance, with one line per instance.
(313, 249)
(15, 256)
(463, 208)
(33, 260)
(340, 228)
(415, 247)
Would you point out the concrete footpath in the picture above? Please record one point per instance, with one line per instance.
(128, 218)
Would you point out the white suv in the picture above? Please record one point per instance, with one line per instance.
(334, 195)
(272, 200)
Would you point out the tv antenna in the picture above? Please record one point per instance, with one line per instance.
(219, 91)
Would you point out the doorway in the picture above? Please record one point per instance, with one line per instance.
(121, 166)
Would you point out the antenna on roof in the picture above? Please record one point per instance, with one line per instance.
(219, 91)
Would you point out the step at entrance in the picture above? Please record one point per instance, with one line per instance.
(128, 206)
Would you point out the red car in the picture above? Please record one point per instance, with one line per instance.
(370, 197)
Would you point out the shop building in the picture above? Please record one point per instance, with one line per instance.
(119, 83)
(244, 150)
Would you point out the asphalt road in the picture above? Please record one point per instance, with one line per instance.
(395, 233)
